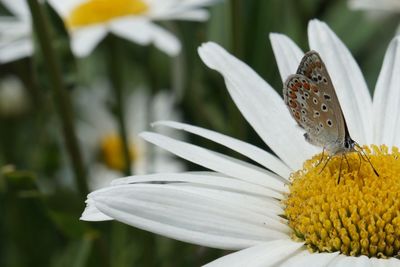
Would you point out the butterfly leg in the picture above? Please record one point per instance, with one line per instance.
(326, 163)
(359, 166)
(340, 168)
(347, 161)
(322, 158)
(366, 158)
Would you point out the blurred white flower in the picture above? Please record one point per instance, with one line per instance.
(89, 21)
(382, 5)
(15, 32)
(102, 146)
(13, 97)
(376, 10)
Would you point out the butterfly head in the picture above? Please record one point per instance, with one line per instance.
(349, 144)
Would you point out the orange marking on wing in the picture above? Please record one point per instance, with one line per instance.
(293, 104)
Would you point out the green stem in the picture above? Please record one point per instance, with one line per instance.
(115, 70)
(237, 27)
(61, 96)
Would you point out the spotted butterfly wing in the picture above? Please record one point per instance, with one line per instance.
(312, 101)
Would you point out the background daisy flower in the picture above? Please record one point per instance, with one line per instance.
(98, 133)
(15, 32)
(238, 205)
(385, 5)
(90, 21)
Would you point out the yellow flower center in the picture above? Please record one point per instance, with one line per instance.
(111, 151)
(358, 216)
(99, 11)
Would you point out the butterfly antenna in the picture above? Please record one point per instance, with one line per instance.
(362, 153)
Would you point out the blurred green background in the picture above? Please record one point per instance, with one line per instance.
(39, 216)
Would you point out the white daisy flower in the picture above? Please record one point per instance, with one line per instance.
(284, 211)
(99, 135)
(89, 21)
(382, 5)
(15, 32)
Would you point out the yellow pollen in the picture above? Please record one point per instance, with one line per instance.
(358, 216)
(112, 152)
(99, 11)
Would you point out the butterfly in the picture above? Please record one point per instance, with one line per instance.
(312, 101)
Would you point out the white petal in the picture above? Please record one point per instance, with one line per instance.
(383, 5)
(347, 78)
(91, 213)
(64, 7)
(197, 3)
(190, 15)
(182, 10)
(263, 108)
(135, 30)
(363, 261)
(16, 50)
(84, 40)
(18, 7)
(387, 98)
(165, 41)
(258, 155)
(145, 32)
(263, 255)
(209, 180)
(305, 258)
(375, 262)
(186, 214)
(137, 115)
(343, 260)
(287, 54)
(216, 161)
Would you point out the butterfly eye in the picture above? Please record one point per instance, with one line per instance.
(325, 80)
(324, 108)
(329, 122)
(315, 100)
(306, 94)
